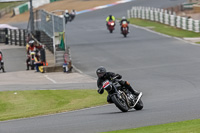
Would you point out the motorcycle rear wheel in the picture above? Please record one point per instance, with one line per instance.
(120, 103)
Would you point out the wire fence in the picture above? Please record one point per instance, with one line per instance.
(52, 25)
(49, 22)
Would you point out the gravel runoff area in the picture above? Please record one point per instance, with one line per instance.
(78, 5)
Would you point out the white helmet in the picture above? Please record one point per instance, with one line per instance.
(66, 11)
(123, 17)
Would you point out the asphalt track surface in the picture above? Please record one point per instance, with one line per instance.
(165, 69)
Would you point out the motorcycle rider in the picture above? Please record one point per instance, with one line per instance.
(103, 75)
(124, 19)
(66, 15)
(72, 14)
(110, 18)
(1, 61)
(31, 48)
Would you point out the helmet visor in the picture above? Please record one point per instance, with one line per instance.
(100, 74)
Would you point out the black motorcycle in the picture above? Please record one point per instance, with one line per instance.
(2, 66)
(121, 96)
(1, 63)
(67, 18)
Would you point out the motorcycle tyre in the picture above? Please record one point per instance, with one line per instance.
(111, 31)
(3, 70)
(119, 105)
(32, 65)
(66, 20)
(139, 105)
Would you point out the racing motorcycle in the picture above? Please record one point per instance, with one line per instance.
(122, 97)
(111, 25)
(32, 60)
(67, 18)
(124, 27)
(1, 64)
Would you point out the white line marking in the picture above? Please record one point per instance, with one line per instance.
(76, 69)
(46, 76)
(54, 114)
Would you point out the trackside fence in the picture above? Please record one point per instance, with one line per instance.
(13, 37)
(17, 37)
(165, 17)
(51, 31)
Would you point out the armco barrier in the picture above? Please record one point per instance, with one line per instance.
(165, 17)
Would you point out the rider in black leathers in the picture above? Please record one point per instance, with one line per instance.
(1, 61)
(103, 75)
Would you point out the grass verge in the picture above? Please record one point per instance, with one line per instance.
(162, 28)
(21, 104)
(191, 126)
(7, 4)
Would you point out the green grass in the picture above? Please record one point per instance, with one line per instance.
(191, 126)
(162, 28)
(7, 4)
(21, 104)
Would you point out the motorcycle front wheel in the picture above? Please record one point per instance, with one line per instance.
(120, 102)
(139, 105)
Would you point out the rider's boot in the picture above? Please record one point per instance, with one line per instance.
(134, 92)
(27, 67)
(2, 66)
(3, 69)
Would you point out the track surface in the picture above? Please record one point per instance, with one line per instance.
(165, 69)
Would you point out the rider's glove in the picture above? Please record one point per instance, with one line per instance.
(118, 76)
(101, 90)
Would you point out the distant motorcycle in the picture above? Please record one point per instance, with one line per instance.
(67, 18)
(32, 60)
(111, 25)
(122, 97)
(71, 17)
(124, 27)
(1, 64)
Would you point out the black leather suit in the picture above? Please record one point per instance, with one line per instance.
(109, 76)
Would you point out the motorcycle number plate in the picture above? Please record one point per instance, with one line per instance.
(32, 53)
(124, 22)
(106, 84)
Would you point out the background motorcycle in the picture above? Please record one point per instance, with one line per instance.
(72, 16)
(1, 64)
(124, 27)
(66, 18)
(122, 97)
(32, 60)
(111, 25)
